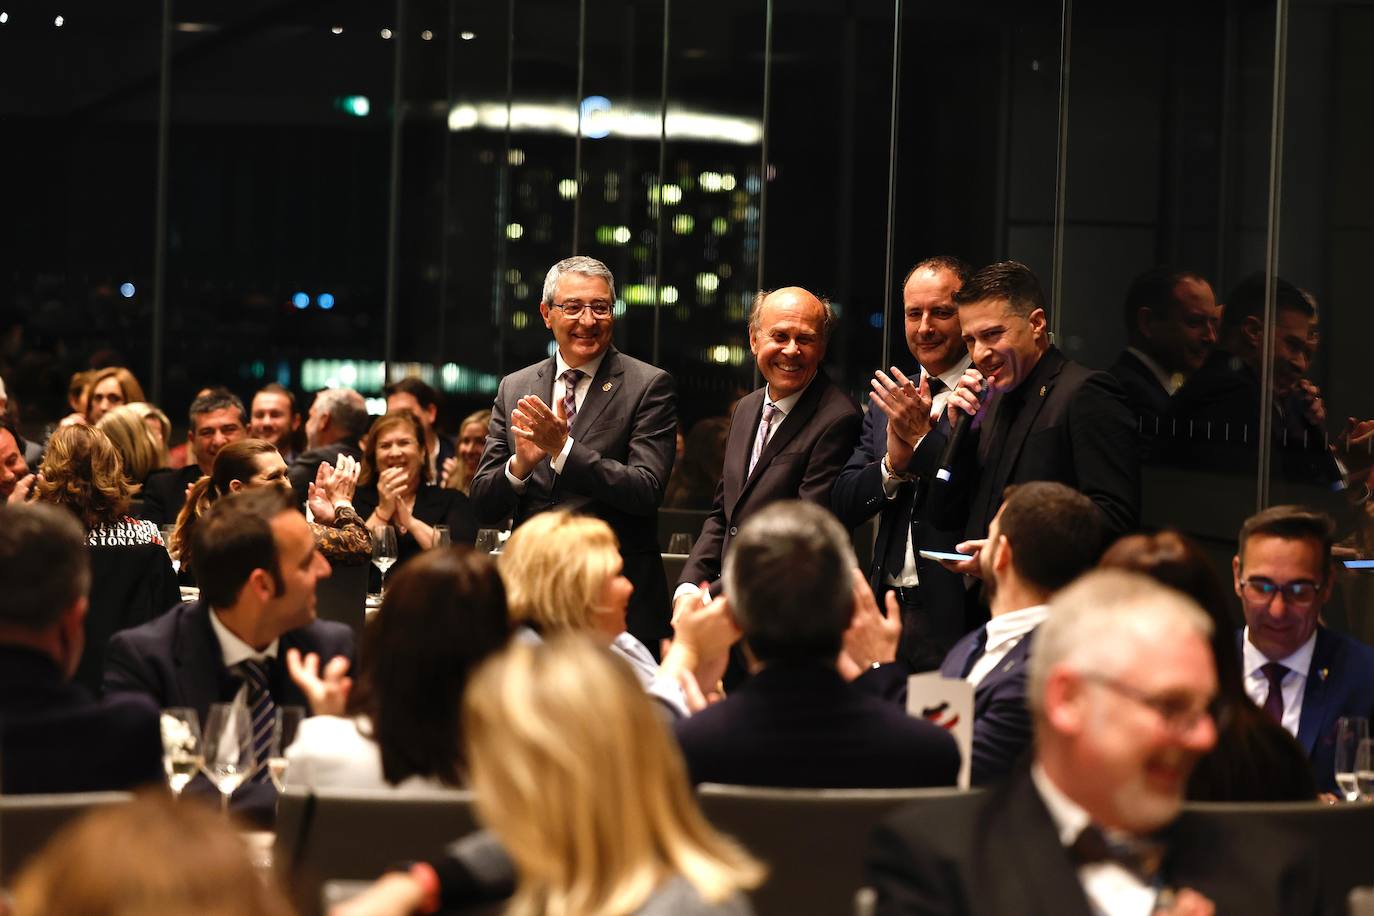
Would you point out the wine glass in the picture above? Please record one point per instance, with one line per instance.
(228, 748)
(681, 542)
(384, 554)
(1350, 732)
(1364, 769)
(488, 540)
(443, 537)
(167, 531)
(288, 722)
(180, 746)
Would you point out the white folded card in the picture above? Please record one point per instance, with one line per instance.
(947, 702)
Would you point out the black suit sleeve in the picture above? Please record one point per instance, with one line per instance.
(128, 671)
(705, 560)
(858, 492)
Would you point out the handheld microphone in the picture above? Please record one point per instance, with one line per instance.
(958, 427)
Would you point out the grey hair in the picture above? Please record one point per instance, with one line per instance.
(789, 580)
(577, 264)
(756, 309)
(346, 408)
(1096, 623)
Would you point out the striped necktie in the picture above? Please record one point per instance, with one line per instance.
(262, 711)
(570, 380)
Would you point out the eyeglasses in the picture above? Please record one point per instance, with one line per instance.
(1262, 591)
(1180, 714)
(599, 308)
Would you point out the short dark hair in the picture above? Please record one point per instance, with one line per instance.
(1247, 300)
(789, 583)
(957, 266)
(1291, 523)
(277, 388)
(1055, 532)
(416, 387)
(1156, 289)
(8, 424)
(1008, 280)
(215, 399)
(43, 563)
(234, 538)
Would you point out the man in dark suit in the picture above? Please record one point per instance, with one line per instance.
(257, 565)
(1046, 417)
(54, 736)
(881, 477)
(336, 422)
(606, 445)
(1120, 686)
(787, 440)
(1171, 319)
(217, 418)
(790, 586)
(1303, 674)
(1044, 536)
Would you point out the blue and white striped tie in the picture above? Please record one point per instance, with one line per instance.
(262, 710)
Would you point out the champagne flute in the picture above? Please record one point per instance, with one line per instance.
(283, 734)
(228, 748)
(384, 554)
(1364, 769)
(1350, 732)
(180, 746)
(488, 540)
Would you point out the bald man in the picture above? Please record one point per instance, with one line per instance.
(787, 440)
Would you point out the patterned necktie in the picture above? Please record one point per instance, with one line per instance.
(769, 412)
(569, 380)
(1273, 702)
(262, 710)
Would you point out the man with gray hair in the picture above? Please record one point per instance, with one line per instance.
(792, 586)
(1121, 687)
(588, 429)
(337, 421)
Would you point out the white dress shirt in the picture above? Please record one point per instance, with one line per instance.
(1169, 381)
(234, 650)
(1299, 665)
(1111, 888)
(1004, 632)
(560, 391)
(908, 575)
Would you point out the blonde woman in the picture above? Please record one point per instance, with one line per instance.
(564, 573)
(472, 439)
(586, 794)
(159, 425)
(131, 437)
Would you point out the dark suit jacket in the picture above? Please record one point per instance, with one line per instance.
(55, 737)
(1074, 428)
(803, 726)
(801, 461)
(858, 495)
(165, 493)
(624, 441)
(1145, 396)
(130, 585)
(1001, 854)
(303, 468)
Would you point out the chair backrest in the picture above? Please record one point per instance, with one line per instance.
(1336, 833)
(813, 840)
(343, 597)
(27, 822)
(130, 585)
(355, 834)
(679, 521)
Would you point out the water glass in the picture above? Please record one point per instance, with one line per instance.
(442, 536)
(488, 540)
(1351, 731)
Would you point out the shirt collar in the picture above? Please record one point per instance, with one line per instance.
(234, 650)
(1300, 661)
(1015, 624)
(785, 405)
(588, 369)
(1169, 381)
(1069, 817)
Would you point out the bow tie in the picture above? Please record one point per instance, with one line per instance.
(1143, 857)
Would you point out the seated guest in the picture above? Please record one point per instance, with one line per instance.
(273, 416)
(472, 438)
(564, 573)
(16, 481)
(108, 388)
(257, 566)
(249, 463)
(790, 583)
(217, 418)
(132, 576)
(1255, 759)
(413, 395)
(443, 615)
(149, 856)
(31, 452)
(1043, 537)
(586, 794)
(1303, 675)
(397, 492)
(1121, 688)
(334, 426)
(138, 451)
(54, 737)
(159, 426)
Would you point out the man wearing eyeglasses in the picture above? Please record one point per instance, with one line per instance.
(588, 429)
(1301, 673)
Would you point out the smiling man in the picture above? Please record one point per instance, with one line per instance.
(588, 429)
(788, 439)
(216, 418)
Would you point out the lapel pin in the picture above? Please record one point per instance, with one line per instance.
(1043, 389)
(1323, 673)
(606, 387)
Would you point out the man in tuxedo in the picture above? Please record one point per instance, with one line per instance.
(1121, 687)
(1171, 319)
(273, 416)
(1301, 673)
(787, 440)
(790, 584)
(413, 395)
(217, 418)
(588, 429)
(1041, 416)
(337, 421)
(54, 736)
(880, 475)
(1043, 537)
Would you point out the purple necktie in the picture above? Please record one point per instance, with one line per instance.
(1273, 703)
(769, 412)
(570, 379)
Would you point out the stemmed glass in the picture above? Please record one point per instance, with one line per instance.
(180, 746)
(283, 733)
(228, 748)
(384, 553)
(1351, 732)
(1364, 769)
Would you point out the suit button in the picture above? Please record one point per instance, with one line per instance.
(733, 531)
